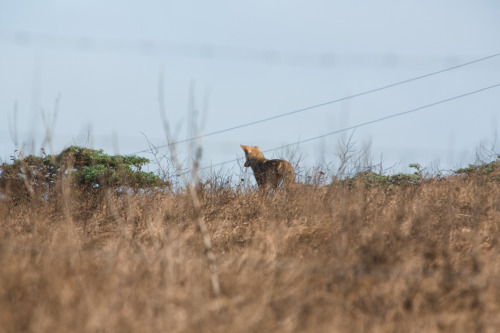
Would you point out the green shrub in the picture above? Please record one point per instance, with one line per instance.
(481, 169)
(91, 170)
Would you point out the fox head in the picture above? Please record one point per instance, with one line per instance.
(252, 154)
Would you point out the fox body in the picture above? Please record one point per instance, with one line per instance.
(268, 172)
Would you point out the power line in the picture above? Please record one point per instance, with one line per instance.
(366, 123)
(326, 103)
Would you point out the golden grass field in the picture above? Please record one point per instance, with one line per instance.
(335, 258)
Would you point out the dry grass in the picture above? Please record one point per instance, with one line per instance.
(422, 258)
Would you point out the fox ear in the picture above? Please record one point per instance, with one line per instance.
(245, 148)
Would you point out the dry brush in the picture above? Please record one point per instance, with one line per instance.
(350, 256)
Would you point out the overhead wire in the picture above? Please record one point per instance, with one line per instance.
(323, 104)
(365, 123)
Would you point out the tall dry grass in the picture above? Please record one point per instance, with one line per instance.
(336, 258)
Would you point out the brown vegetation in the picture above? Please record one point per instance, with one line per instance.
(347, 257)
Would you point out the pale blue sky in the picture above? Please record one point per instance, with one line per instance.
(257, 59)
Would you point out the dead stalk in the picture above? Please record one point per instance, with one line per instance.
(191, 183)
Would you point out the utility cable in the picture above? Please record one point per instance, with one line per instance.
(325, 103)
(366, 123)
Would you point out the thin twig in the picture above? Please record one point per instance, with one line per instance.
(196, 157)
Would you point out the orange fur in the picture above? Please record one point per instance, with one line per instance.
(268, 172)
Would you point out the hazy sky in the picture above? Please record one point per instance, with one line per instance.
(249, 60)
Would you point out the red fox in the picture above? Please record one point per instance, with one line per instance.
(268, 172)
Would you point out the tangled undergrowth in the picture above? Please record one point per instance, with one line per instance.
(351, 256)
